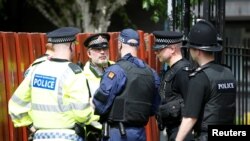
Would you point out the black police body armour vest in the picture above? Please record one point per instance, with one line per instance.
(133, 105)
(219, 105)
(166, 90)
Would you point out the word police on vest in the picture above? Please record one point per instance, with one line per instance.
(226, 86)
(44, 82)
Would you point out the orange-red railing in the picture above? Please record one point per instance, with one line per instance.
(18, 50)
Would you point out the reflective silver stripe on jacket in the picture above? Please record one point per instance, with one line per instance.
(61, 108)
(20, 102)
(20, 116)
(50, 108)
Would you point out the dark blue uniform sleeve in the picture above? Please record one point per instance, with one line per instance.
(157, 98)
(112, 83)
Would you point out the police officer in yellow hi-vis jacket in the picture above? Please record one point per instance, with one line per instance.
(98, 52)
(53, 99)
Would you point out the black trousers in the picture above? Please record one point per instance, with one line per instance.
(203, 136)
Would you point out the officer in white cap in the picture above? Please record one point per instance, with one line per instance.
(53, 98)
(98, 52)
(173, 88)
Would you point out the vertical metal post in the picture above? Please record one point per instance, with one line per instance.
(186, 17)
(186, 21)
(168, 22)
(221, 17)
(199, 8)
(173, 14)
(206, 10)
(220, 22)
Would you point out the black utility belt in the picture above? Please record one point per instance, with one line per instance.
(117, 125)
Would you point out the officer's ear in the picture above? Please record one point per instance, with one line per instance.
(119, 45)
(89, 52)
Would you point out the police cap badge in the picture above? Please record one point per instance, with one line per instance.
(99, 40)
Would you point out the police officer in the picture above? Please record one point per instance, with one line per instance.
(128, 93)
(173, 88)
(212, 87)
(53, 98)
(48, 53)
(98, 52)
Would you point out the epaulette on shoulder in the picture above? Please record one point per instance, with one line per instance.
(38, 62)
(188, 69)
(75, 68)
(195, 71)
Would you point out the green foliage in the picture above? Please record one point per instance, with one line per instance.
(125, 18)
(159, 8)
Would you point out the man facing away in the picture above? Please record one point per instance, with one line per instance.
(212, 87)
(53, 99)
(128, 93)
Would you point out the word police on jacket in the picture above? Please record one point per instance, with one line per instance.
(45, 82)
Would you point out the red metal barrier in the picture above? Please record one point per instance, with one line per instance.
(37, 43)
(18, 50)
(4, 132)
(142, 50)
(11, 71)
(81, 48)
(113, 43)
(24, 51)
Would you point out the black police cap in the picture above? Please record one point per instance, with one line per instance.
(99, 40)
(165, 38)
(203, 36)
(63, 35)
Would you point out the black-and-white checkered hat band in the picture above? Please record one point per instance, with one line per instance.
(98, 41)
(62, 39)
(167, 41)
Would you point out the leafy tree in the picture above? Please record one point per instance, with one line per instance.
(95, 15)
(172, 11)
(159, 7)
(89, 15)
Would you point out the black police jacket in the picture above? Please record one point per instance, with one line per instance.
(219, 103)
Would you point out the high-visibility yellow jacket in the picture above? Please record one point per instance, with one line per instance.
(53, 95)
(93, 79)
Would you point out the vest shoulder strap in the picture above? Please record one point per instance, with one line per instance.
(75, 68)
(199, 69)
(38, 62)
